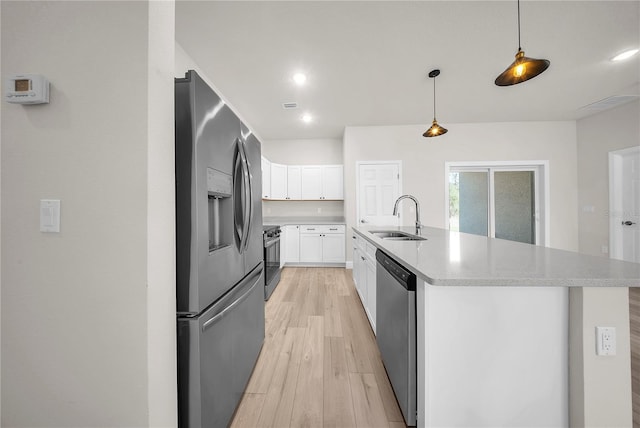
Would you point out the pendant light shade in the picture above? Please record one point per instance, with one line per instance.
(523, 68)
(435, 129)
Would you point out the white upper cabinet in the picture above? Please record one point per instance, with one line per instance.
(311, 182)
(322, 182)
(278, 181)
(294, 182)
(301, 182)
(266, 178)
(332, 185)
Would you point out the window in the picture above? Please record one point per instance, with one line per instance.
(499, 200)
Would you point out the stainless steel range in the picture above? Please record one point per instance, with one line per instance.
(271, 236)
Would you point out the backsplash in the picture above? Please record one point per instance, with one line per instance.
(303, 208)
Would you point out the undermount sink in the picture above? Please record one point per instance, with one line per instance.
(396, 235)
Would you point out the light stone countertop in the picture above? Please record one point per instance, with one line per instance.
(281, 221)
(461, 259)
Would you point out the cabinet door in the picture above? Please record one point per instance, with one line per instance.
(292, 245)
(333, 248)
(311, 182)
(371, 292)
(332, 184)
(283, 246)
(294, 182)
(266, 178)
(360, 276)
(311, 247)
(354, 247)
(278, 181)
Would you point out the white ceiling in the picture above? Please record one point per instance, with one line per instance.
(367, 61)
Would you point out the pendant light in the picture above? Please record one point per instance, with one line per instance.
(523, 68)
(435, 129)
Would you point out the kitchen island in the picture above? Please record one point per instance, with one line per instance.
(492, 321)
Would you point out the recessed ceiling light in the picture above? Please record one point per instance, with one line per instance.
(300, 78)
(624, 55)
(307, 118)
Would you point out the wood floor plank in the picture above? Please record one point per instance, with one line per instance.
(248, 411)
(357, 361)
(332, 317)
(291, 283)
(634, 325)
(338, 405)
(278, 403)
(343, 278)
(367, 402)
(274, 332)
(308, 403)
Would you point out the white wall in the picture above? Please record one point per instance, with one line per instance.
(598, 135)
(161, 300)
(86, 329)
(304, 152)
(605, 389)
(423, 162)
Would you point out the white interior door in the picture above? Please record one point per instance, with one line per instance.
(624, 204)
(378, 189)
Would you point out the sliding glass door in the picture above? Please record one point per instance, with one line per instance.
(500, 202)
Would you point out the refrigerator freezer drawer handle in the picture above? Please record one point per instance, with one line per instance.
(239, 300)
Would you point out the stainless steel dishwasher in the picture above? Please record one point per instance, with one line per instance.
(396, 330)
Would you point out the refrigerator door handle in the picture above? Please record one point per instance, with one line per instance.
(249, 192)
(239, 200)
(211, 321)
(246, 187)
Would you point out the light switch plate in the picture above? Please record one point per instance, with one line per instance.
(50, 215)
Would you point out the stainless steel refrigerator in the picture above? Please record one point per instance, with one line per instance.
(219, 245)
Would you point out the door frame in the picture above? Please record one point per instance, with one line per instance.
(541, 169)
(372, 162)
(615, 199)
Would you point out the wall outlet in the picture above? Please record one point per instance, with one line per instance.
(605, 341)
(319, 210)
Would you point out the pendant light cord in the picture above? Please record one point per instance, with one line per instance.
(434, 98)
(519, 44)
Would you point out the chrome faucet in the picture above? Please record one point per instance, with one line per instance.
(395, 210)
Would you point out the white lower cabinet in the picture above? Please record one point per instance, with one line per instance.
(310, 247)
(371, 290)
(364, 276)
(292, 244)
(283, 245)
(322, 243)
(313, 244)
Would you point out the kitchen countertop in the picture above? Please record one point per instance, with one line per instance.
(281, 221)
(461, 259)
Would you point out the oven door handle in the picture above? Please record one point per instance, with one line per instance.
(271, 242)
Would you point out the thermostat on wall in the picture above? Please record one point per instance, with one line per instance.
(27, 89)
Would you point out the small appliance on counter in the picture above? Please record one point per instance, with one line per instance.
(271, 237)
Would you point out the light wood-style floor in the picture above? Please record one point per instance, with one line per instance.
(634, 319)
(319, 365)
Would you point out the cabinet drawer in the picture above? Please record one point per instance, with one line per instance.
(322, 228)
(333, 228)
